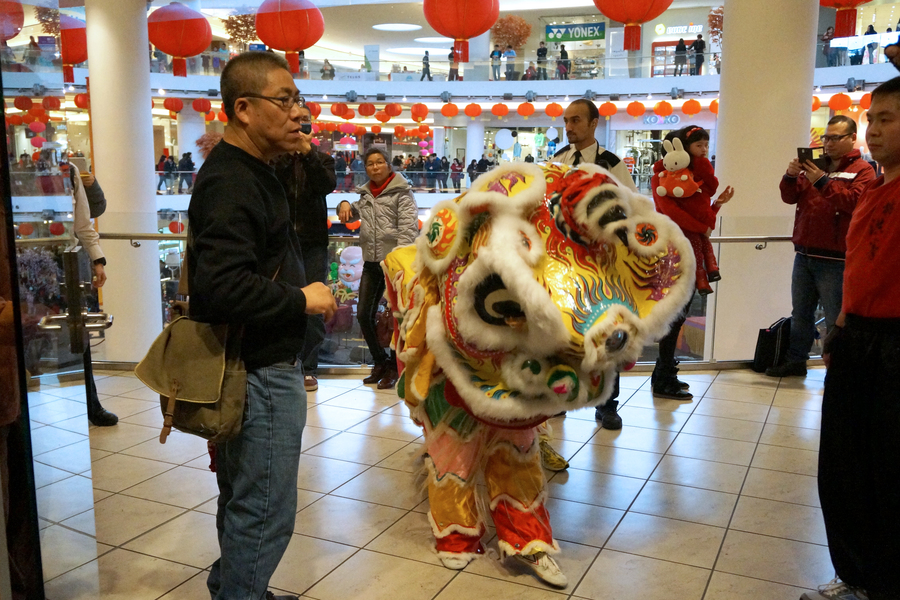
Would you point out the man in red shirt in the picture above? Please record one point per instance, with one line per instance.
(859, 452)
(825, 201)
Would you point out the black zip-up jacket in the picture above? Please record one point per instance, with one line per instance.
(240, 237)
(307, 180)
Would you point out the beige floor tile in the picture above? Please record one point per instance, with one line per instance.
(45, 475)
(645, 399)
(729, 429)
(79, 425)
(793, 417)
(466, 586)
(740, 393)
(377, 576)
(120, 575)
(599, 489)
(73, 389)
(75, 458)
(653, 419)
(408, 459)
(772, 559)
(617, 461)
(712, 448)
(325, 393)
(385, 486)
(181, 486)
(790, 460)
(719, 477)
(635, 438)
(125, 407)
(632, 382)
(724, 586)
(729, 409)
(63, 550)
(47, 439)
(629, 577)
(319, 474)
(799, 400)
(118, 519)
(313, 436)
(791, 437)
(566, 448)
(581, 523)
(783, 487)
(334, 417)
(692, 375)
(347, 382)
(147, 418)
(192, 589)
(411, 537)
(807, 385)
(363, 399)
(574, 560)
(399, 409)
(685, 503)
(780, 519)
(746, 377)
(189, 539)
(306, 561)
(588, 413)
(345, 521)
(573, 430)
(36, 398)
(63, 499)
(363, 449)
(142, 393)
(697, 387)
(58, 410)
(179, 448)
(390, 426)
(667, 539)
(118, 472)
(122, 436)
(202, 463)
(115, 386)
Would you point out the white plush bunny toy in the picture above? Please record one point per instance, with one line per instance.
(677, 180)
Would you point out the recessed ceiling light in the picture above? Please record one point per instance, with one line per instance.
(418, 51)
(397, 27)
(434, 40)
(161, 92)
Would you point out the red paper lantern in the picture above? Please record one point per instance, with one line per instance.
(366, 109)
(382, 116)
(176, 227)
(360, 130)
(36, 111)
(174, 105)
(632, 13)
(419, 112)
(662, 109)
(393, 109)
(201, 105)
(500, 110)
(73, 45)
(173, 115)
(816, 103)
(526, 109)
(180, 32)
(714, 107)
(349, 114)
(51, 103)
(37, 127)
(449, 110)
(35, 156)
(424, 129)
(210, 116)
(289, 26)
(14, 119)
(840, 102)
(845, 20)
(399, 130)
(461, 20)
(26, 229)
(473, 110)
(38, 142)
(330, 127)
(44, 118)
(353, 225)
(554, 110)
(420, 224)
(636, 109)
(23, 103)
(315, 109)
(328, 223)
(57, 228)
(338, 109)
(83, 101)
(376, 129)
(691, 108)
(12, 19)
(866, 101)
(28, 118)
(222, 116)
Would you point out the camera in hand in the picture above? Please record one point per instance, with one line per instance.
(814, 155)
(306, 128)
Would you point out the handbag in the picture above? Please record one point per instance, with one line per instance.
(772, 345)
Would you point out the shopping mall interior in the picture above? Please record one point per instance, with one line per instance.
(711, 499)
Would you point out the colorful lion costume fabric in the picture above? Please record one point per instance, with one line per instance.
(521, 299)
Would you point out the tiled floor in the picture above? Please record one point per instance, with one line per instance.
(713, 499)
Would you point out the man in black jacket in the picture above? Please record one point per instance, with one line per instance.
(245, 269)
(308, 177)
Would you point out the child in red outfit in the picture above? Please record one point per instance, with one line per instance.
(696, 214)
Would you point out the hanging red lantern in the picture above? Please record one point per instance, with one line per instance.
(37, 127)
(338, 109)
(222, 116)
(366, 109)
(38, 142)
(691, 107)
(714, 107)
(328, 223)
(180, 32)
(12, 19)
(419, 112)
(360, 130)
(289, 26)
(866, 101)
(73, 45)
(174, 105)
(28, 118)
(353, 225)
(424, 129)
(330, 127)
(554, 110)
(662, 109)
(526, 109)
(449, 110)
(816, 103)
(83, 101)
(45, 118)
(173, 115)
(57, 228)
(473, 110)
(399, 130)
(315, 109)
(201, 105)
(210, 116)
(839, 102)
(632, 13)
(461, 20)
(176, 226)
(382, 116)
(376, 129)
(845, 20)
(51, 103)
(500, 110)
(26, 229)
(36, 111)
(393, 109)
(14, 119)
(23, 103)
(35, 156)
(636, 109)
(349, 115)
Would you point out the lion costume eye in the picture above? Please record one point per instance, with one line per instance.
(495, 305)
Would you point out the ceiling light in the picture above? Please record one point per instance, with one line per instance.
(434, 40)
(397, 27)
(324, 96)
(404, 98)
(161, 92)
(412, 51)
(567, 98)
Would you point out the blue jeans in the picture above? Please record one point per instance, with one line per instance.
(315, 263)
(257, 477)
(496, 70)
(813, 280)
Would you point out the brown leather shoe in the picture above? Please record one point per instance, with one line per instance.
(389, 380)
(377, 373)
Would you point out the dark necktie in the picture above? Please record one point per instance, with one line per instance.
(577, 160)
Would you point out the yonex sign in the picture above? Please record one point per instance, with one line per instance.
(576, 33)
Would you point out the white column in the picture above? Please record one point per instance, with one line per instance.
(191, 125)
(123, 160)
(479, 66)
(474, 141)
(764, 117)
(438, 137)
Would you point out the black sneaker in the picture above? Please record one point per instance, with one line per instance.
(102, 417)
(788, 369)
(271, 596)
(671, 388)
(607, 415)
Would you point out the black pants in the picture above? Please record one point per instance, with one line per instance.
(859, 455)
(315, 264)
(371, 289)
(426, 72)
(669, 342)
(542, 71)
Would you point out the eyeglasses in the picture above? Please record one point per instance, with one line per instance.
(286, 102)
(834, 138)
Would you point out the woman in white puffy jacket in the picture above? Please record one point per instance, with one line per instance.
(389, 215)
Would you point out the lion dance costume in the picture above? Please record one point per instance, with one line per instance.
(521, 299)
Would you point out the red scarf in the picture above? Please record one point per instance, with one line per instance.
(376, 191)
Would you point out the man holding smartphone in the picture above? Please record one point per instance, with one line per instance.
(825, 200)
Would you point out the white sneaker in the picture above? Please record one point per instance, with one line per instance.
(544, 568)
(836, 590)
(456, 562)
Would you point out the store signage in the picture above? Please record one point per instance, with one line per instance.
(576, 33)
(656, 120)
(661, 29)
(257, 47)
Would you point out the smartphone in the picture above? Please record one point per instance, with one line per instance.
(306, 128)
(815, 155)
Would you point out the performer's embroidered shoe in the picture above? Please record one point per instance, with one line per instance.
(457, 562)
(544, 568)
(836, 590)
(551, 459)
